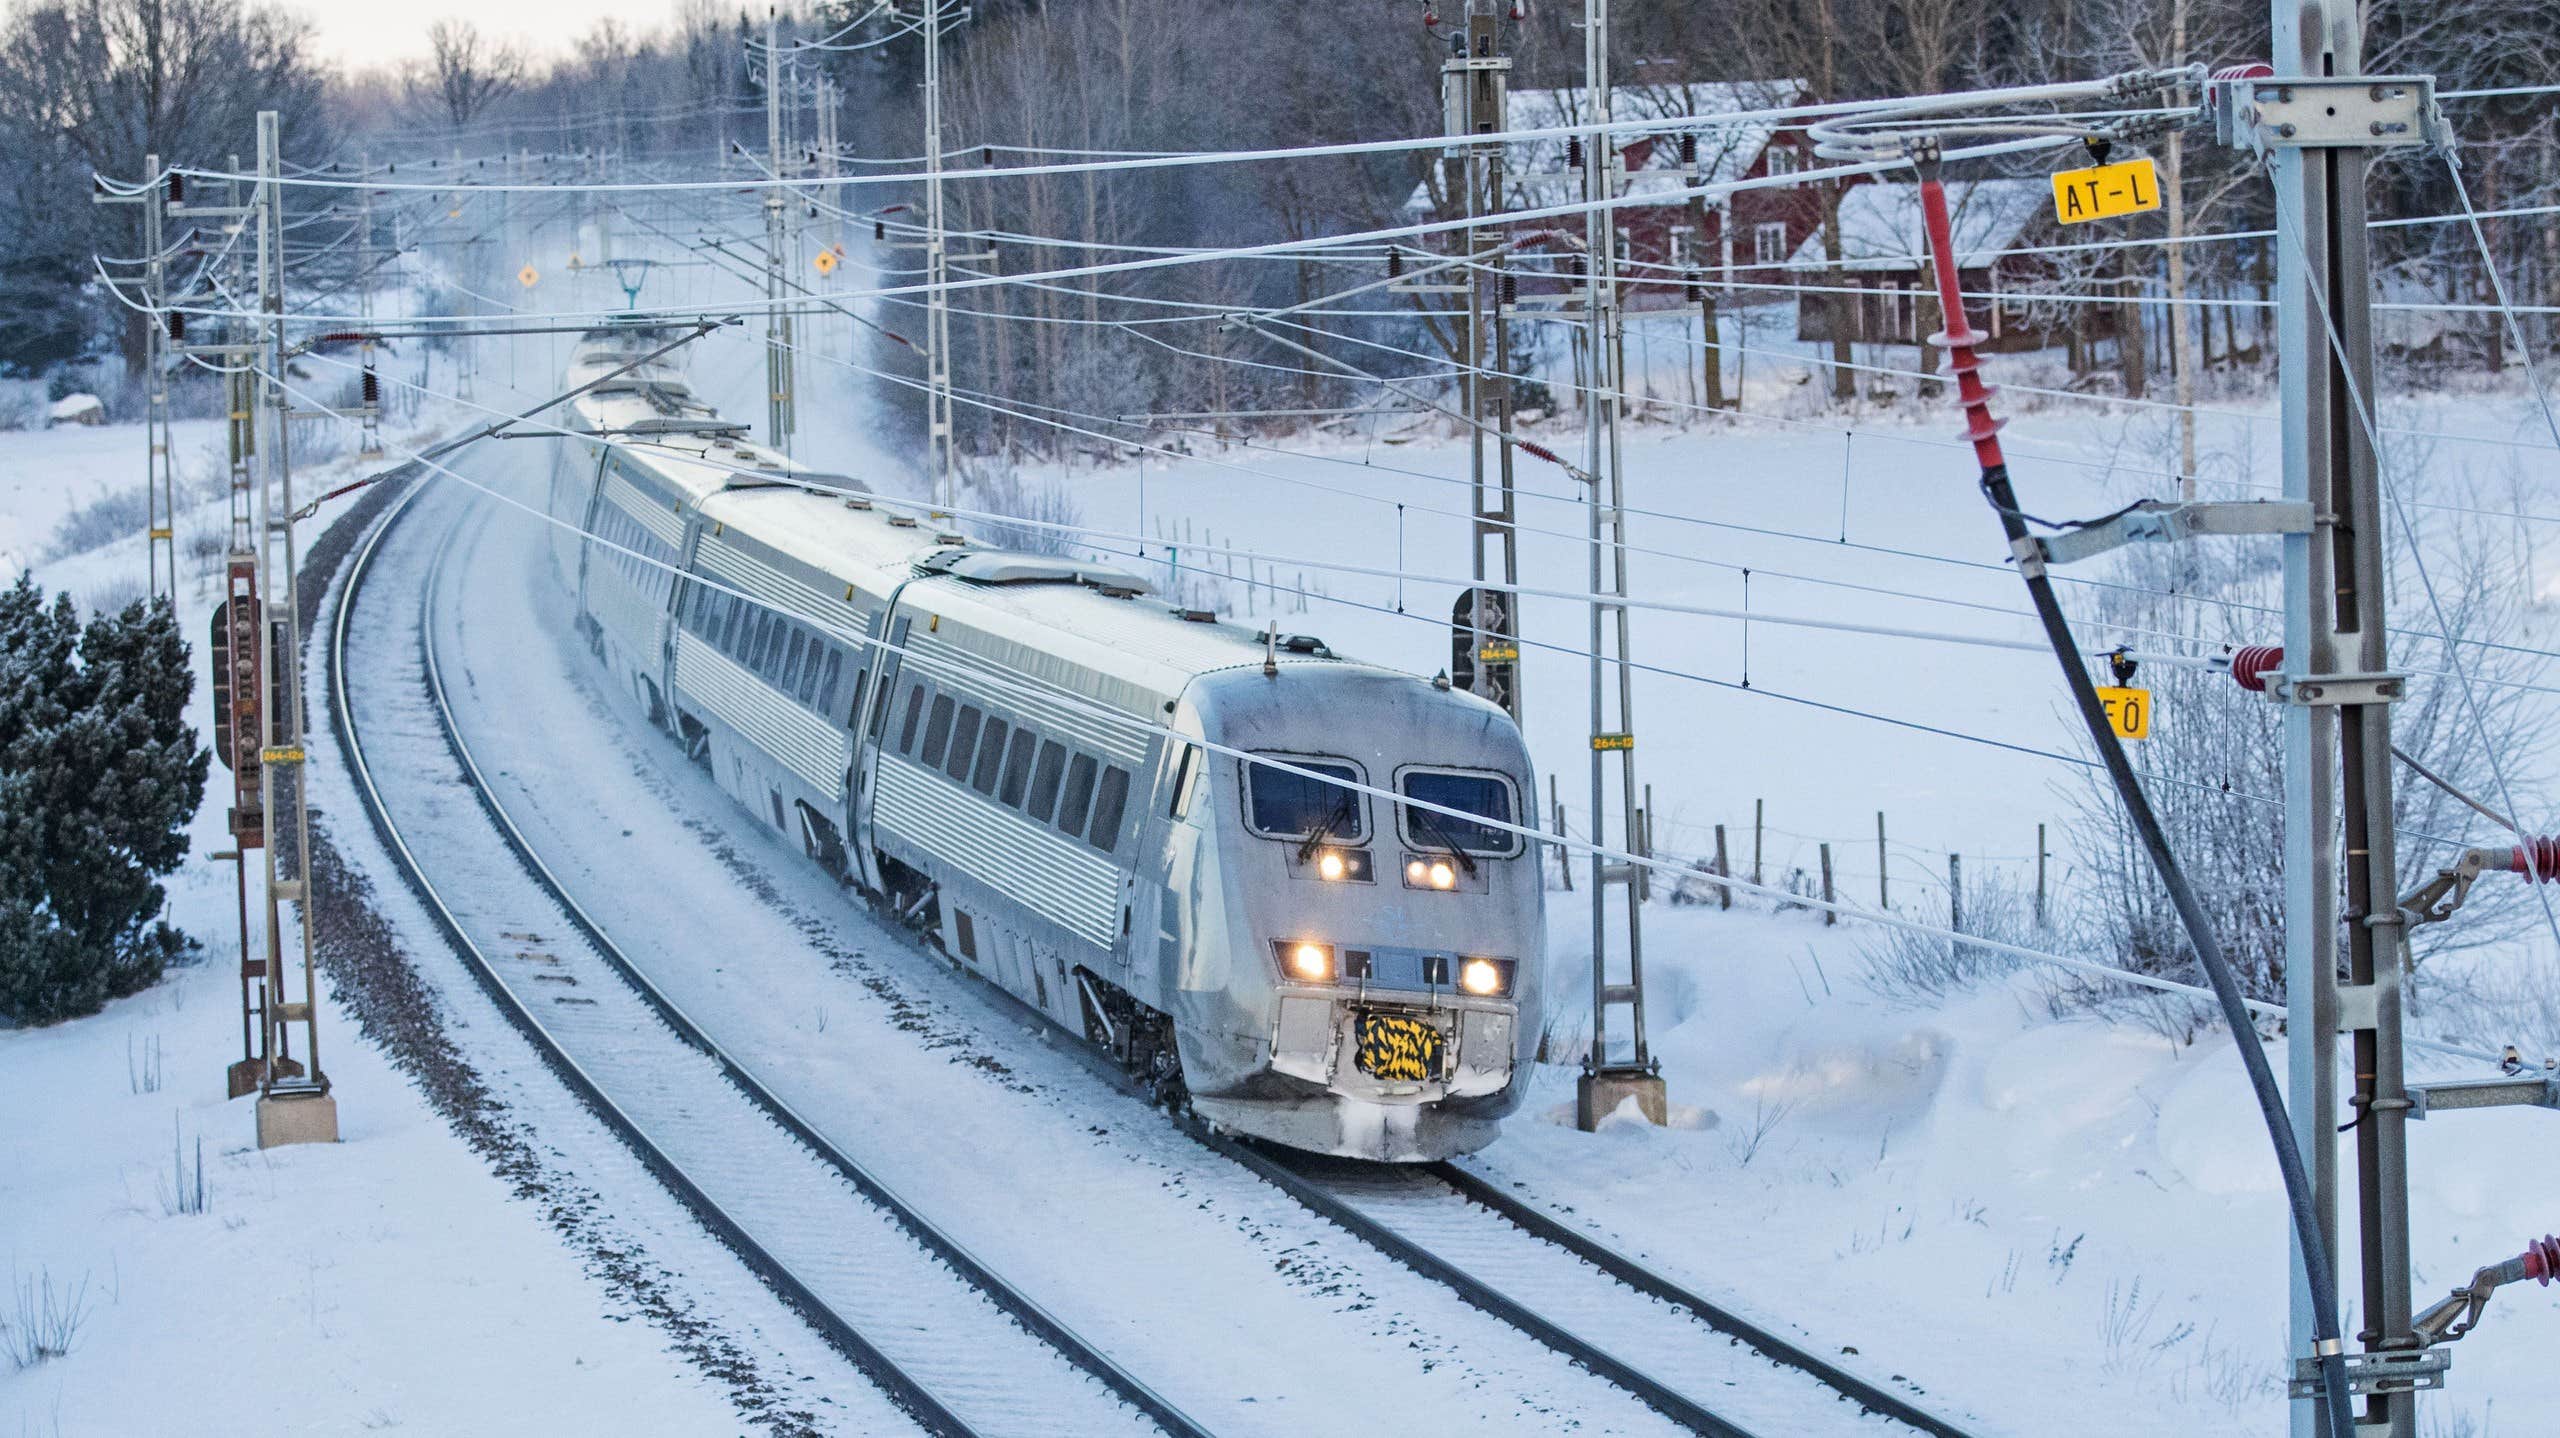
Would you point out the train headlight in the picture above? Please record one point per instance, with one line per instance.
(1329, 864)
(1443, 875)
(1309, 963)
(1480, 977)
(1416, 872)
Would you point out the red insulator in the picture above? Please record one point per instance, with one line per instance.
(1430, 19)
(178, 326)
(2542, 1260)
(370, 386)
(1510, 289)
(177, 189)
(1688, 152)
(2249, 70)
(2544, 856)
(1395, 262)
(2251, 665)
(1573, 152)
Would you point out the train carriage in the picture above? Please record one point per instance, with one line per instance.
(1128, 815)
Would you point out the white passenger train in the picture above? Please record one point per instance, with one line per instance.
(1006, 750)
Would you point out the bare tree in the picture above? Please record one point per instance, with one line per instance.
(466, 72)
(92, 86)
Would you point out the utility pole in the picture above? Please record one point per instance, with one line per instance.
(940, 434)
(370, 424)
(777, 324)
(2336, 690)
(1474, 90)
(160, 547)
(1609, 1079)
(294, 1103)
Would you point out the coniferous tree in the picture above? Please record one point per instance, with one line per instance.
(99, 775)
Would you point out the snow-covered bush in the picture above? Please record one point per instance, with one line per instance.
(2214, 766)
(114, 514)
(99, 775)
(1908, 966)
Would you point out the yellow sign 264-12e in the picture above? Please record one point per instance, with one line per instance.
(2128, 711)
(2101, 192)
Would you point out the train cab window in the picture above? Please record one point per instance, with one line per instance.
(990, 757)
(1283, 805)
(1485, 795)
(853, 707)
(1044, 779)
(964, 742)
(1179, 806)
(907, 731)
(1017, 767)
(1110, 800)
(937, 731)
(1077, 796)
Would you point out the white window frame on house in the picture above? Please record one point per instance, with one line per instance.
(1769, 242)
(1684, 246)
(1783, 160)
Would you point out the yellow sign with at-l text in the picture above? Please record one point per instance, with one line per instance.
(2128, 711)
(2101, 192)
(527, 276)
(826, 262)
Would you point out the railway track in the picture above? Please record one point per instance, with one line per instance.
(958, 1348)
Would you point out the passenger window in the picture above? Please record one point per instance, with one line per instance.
(794, 647)
(728, 630)
(825, 699)
(1077, 796)
(1109, 801)
(964, 742)
(1017, 767)
(1485, 795)
(990, 757)
(1044, 779)
(907, 731)
(937, 729)
(1283, 805)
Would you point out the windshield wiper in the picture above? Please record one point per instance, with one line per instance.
(1425, 819)
(1341, 811)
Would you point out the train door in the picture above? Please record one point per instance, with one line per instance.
(889, 635)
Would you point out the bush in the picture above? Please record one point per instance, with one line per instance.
(114, 514)
(99, 775)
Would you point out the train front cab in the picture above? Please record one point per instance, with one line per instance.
(1351, 975)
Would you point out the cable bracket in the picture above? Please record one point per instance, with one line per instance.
(2336, 691)
(2532, 1090)
(2385, 1372)
(2161, 521)
(2270, 113)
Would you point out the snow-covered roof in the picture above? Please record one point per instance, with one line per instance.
(76, 407)
(1538, 178)
(1880, 226)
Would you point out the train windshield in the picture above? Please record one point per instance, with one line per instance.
(1282, 805)
(1487, 796)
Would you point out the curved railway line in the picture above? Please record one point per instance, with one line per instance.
(1675, 1351)
(951, 1342)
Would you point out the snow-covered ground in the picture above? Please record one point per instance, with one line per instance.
(2050, 1226)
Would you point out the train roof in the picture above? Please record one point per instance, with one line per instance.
(1092, 615)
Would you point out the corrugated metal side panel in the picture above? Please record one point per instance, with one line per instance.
(656, 518)
(626, 613)
(728, 562)
(792, 736)
(962, 672)
(1064, 878)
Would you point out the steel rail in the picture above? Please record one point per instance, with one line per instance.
(1540, 1224)
(903, 1388)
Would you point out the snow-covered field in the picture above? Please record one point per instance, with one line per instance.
(2050, 1226)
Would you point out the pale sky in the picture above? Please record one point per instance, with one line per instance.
(361, 36)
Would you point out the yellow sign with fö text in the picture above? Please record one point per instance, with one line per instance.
(2128, 711)
(2101, 192)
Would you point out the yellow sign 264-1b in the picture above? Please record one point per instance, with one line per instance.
(2103, 191)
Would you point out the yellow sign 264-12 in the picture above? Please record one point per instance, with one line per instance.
(2103, 191)
(2128, 711)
